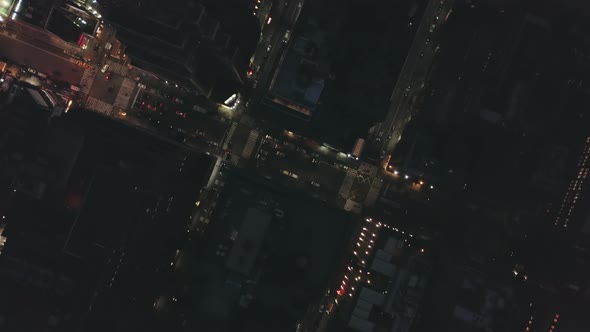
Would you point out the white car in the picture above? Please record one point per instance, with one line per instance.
(104, 68)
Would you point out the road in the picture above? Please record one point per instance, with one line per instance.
(312, 172)
(414, 73)
(285, 18)
(339, 300)
(57, 67)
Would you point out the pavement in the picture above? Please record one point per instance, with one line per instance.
(57, 67)
(283, 18)
(414, 73)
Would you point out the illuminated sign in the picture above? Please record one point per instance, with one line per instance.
(83, 41)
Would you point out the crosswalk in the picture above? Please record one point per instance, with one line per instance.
(99, 106)
(368, 169)
(125, 92)
(118, 68)
(87, 80)
(230, 134)
(250, 144)
(347, 183)
(374, 192)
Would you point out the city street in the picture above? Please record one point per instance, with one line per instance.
(414, 73)
(57, 67)
(271, 46)
(106, 90)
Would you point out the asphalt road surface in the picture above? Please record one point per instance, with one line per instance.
(106, 90)
(170, 113)
(286, 20)
(57, 67)
(312, 172)
(413, 74)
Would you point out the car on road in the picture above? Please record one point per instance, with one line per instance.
(108, 76)
(104, 68)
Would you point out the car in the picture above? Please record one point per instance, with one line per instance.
(104, 68)
(141, 86)
(108, 76)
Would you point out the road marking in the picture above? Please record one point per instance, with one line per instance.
(40, 49)
(87, 80)
(99, 106)
(124, 95)
(374, 191)
(250, 144)
(117, 68)
(344, 190)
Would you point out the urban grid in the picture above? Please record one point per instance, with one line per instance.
(294, 166)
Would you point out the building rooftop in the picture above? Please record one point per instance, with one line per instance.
(125, 193)
(299, 81)
(289, 255)
(250, 236)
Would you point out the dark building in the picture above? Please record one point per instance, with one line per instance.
(93, 213)
(338, 66)
(205, 45)
(266, 259)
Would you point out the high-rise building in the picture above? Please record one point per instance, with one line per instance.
(203, 45)
(576, 193)
(91, 214)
